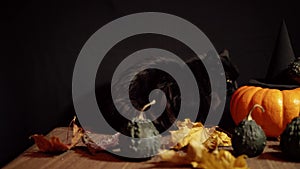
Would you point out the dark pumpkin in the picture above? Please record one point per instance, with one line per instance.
(294, 70)
(145, 138)
(248, 137)
(290, 140)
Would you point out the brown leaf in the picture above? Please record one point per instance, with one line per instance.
(98, 142)
(54, 144)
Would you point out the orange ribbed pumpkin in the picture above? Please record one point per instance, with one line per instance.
(281, 106)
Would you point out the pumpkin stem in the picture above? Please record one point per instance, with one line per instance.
(142, 116)
(249, 117)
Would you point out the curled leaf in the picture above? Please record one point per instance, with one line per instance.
(188, 131)
(54, 144)
(198, 146)
(222, 159)
(176, 157)
(98, 142)
(198, 156)
(76, 135)
(217, 138)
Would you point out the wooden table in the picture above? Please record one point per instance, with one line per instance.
(79, 158)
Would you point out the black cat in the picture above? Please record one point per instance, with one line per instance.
(149, 79)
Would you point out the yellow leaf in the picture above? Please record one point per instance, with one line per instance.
(194, 147)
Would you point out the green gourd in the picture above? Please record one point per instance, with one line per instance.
(141, 127)
(248, 137)
(290, 140)
(294, 70)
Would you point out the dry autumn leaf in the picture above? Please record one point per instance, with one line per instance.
(222, 159)
(198, 156)
(188, 131)
(54, 144)
(197, 146)
(98, 142)
(217, 138)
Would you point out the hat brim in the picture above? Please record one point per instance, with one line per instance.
(264, 84)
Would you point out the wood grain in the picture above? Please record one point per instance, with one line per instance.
(79, 158)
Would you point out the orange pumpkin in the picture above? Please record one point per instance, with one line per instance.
(281, 106)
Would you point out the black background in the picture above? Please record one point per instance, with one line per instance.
(42, 39)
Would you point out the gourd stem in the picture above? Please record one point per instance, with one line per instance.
(249, 117)
(147, 105)
(141, 115)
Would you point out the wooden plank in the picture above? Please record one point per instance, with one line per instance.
(272, 158)
(80, 158)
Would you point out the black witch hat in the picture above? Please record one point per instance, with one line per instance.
(280, 63)
(282, 56)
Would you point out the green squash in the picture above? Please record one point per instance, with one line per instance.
(248, 137)
(145, 138)
(290, 140)
(294, 70)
